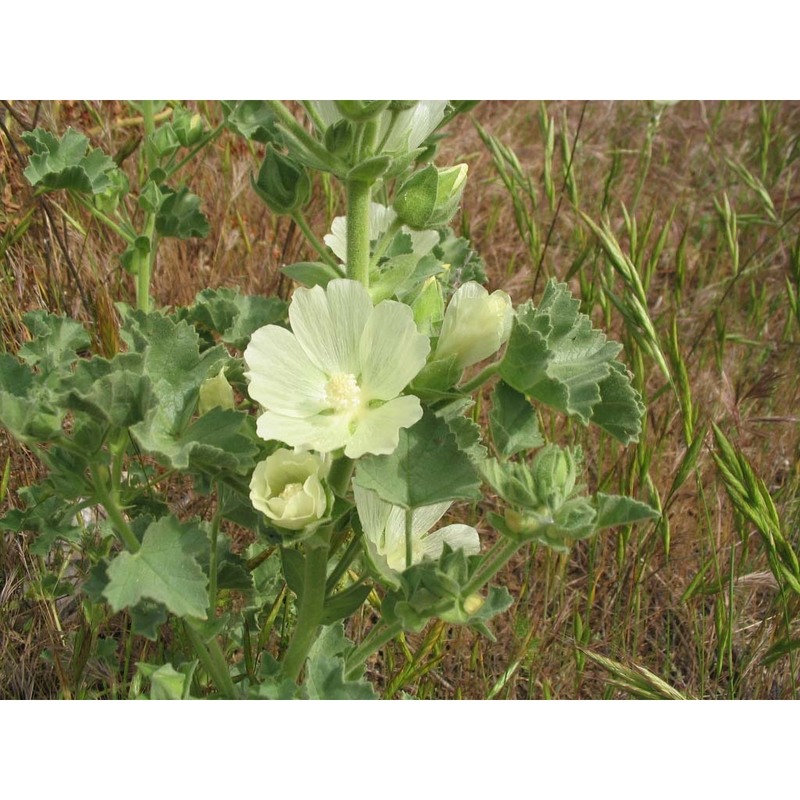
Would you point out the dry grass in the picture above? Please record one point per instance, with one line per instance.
(692, 601)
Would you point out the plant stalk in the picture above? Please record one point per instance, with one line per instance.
(311, 605)
(358, 197)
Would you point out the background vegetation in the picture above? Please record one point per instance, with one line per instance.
(679, 228)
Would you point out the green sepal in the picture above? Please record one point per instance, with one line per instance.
(164, 569)
(311, 273)
(179, 215)
(345, 603)
(369, 170)
(436, 378)
(65, 164)
(426, 468)
(338, 138)
(188, 126)
(150, 198)
(361, 110)
(282, 183)
(163, 141)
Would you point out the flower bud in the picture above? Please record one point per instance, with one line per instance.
(476, 324)
(282, 183)
(554, 473)
(215, 392)
(188, 127)
(428, 306)
(287, 487)
(360, 110)
(430, 197)
(164, 141)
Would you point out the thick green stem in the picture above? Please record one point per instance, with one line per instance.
(311, 606)
(212, 561)
(358, 196)
(491, 564)
(213, 660)
(113, 510)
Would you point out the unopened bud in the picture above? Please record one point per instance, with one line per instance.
(476, 324)
(282, 183)
(215, 392)
(430, 197)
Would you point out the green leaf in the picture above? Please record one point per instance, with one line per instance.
(513, 422)
(393, 274)
(254, 120)
(164, 570)
(311, 273)
(426, 468)
(555, 356)
(468, 436)
(220, 440)
(325, 669)
(114, 391)
(27, 407)
(147, 617)
(345, 603)
(167, 683)
(614, 510)
(620, 409)
(65, 164)
(234, 316)
(179, 215)
(293, 570)
(56, 342)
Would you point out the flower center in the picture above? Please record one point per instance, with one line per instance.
(342, 392)
(290, 490)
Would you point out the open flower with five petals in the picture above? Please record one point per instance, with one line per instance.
(335, 380)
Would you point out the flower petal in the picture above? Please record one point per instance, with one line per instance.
(329, 322)
(281, 377)
(378, 429)
(412, 127)
(422, 520)
(380, 218)
(457, 536)
(393, 351)
(324, 432)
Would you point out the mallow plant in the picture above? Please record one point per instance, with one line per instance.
(341, 429)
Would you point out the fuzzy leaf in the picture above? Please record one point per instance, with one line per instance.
(65, 164)
(27, 409)
(235, 316)
(613, 510)
(164, 569)
(555, 356)
(513, 422)
(325, 678)
(311, 273)
(426, 468)
(179, 215)
(56, 341)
